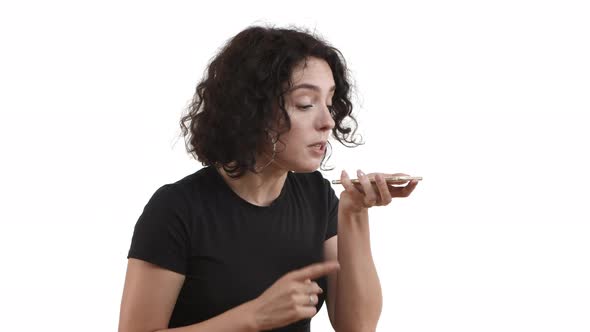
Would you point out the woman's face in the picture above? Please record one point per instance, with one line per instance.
(307, 104)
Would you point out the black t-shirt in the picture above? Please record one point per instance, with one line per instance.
(231, 251)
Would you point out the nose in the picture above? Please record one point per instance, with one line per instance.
(326, 121)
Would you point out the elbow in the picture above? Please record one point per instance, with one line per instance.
(128, 329)
(356, 329)
(359, 327)
(123, 328)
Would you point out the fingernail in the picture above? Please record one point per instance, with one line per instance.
(344, 173)
(360, 173)
(321, 291)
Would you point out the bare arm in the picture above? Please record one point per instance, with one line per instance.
(358, 296)
(331, 254)
(149, 296)
(354, 292)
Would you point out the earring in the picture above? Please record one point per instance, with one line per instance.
(272, 158)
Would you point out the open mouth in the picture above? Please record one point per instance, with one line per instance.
(318, 148)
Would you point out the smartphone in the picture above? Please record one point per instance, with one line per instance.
(388, 179)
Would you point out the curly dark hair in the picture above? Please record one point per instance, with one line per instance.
(234, 106)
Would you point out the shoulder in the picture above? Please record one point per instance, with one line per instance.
(203, 177)
(186, 188)
(170, 195)
(180, 195)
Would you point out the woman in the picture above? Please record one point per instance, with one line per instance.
(248, 243)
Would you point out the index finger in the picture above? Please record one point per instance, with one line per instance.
(316, 270)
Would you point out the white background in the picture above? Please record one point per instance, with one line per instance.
(487, 100)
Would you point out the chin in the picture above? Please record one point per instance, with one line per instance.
(308, 168)
(303, 164)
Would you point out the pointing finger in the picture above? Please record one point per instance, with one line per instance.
(315, 271)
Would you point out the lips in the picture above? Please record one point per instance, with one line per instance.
(319, 145)
(318, 148)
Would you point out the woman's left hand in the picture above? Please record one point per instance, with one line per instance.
(357, 198)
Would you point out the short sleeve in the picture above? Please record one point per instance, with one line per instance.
(161, 234)
(332, 228)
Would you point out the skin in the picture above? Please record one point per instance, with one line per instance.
(354, 300)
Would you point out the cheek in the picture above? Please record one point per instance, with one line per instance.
(294, 139)
(294, 145)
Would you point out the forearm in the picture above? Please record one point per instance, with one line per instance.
(358, 299)
(238, 319)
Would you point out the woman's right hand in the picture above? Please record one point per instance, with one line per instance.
(291, 298)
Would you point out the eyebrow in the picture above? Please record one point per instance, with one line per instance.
(310, 86)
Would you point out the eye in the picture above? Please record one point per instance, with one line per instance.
(304, 107)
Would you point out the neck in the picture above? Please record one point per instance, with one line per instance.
(258, 188)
